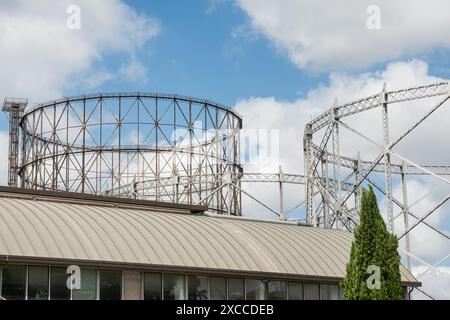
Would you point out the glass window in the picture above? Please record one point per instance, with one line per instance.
(197, 288)
(277, 290)
(58, 284)
(235, 289)
(324, 292)
(110, 285)
(174, 287)
(37, 283)
(334, 292)
(88, 290)
(218, 288)
(295, 291)
(13, 284)
(152, 286)
(132, 286)
(311, 291)
(329, 292)
(254, 290)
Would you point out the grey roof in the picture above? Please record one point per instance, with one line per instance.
(99, 231)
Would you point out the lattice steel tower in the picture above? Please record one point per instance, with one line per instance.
(15, 107)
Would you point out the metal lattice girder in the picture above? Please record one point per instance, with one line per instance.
(273, 177)
(374, 101)
(346, 162)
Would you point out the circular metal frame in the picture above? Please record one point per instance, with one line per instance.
(99, 144)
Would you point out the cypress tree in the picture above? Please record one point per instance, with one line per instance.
(373, 245)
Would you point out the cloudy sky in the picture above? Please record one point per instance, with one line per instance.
(277, 62)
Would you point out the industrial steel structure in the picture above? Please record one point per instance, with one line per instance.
(187, 151)
(109, 144)
(337, 205)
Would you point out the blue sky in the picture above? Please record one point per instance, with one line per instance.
(200, 52)
(196, 54)
(278, 63)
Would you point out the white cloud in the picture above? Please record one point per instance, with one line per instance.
(97, 79)
(134, 70)
(213, 5)
(434, 282)
(330, 35)
(43, 58)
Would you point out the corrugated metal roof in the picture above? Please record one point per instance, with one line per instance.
(69, 231)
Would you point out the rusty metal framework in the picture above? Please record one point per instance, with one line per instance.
(101, 144)
(15, 107)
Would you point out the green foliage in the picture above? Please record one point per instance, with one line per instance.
(373, 245)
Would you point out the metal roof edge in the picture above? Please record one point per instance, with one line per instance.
(96, 199)
(244, 218)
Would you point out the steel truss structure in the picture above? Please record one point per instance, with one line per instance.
(185, 150)
(15, 107)
(330, 205)
(102, 144)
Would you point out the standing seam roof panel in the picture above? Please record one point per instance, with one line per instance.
(96, 234)
(210, 242)
(39, 227)
(67, 231)
(125, 232)
(69, 235)
(148, 239)
(95, 245)
(319, 241)
(186, 240)
(145, 218)
(219, 234)
(18, 232)
(272, 249)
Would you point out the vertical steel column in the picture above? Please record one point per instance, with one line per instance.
(119, 125)
(325, 200)
(281, 181)
(139, 151)
(83, 155)
(101, 143)
(190, 155)
(359, 189)
(336, 160)
(405, 214)
(66, 149)
(309, 190)
(174, 175)
(215, 183)
(54, 159)
(33, 153)
(24, 154)
(157, 173)
(15, 107)
(387, 159)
